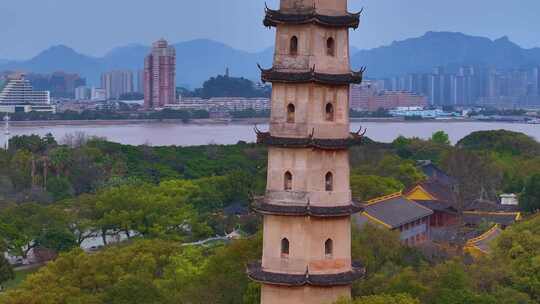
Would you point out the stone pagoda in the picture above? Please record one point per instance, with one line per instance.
(308, 205)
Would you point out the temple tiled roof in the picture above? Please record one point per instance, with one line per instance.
(275, 17)
(441, 191)
(502, 218)
(273, 75)
(309, 142)
(393, 211)
(437, 206)
(258, 274)
(263, 207)
(489, 206)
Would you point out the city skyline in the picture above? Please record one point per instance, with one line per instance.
(181, 22)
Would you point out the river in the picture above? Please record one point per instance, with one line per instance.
(161, 134)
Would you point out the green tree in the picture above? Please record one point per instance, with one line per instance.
(441, 138)
(382, 299)
(530, 200)
(6, 271)
(60, 188)
(365, 187)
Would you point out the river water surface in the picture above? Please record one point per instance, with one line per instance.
(160, 134)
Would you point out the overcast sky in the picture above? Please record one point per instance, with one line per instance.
(95, 26)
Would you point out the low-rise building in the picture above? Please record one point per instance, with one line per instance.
(221, 104)
(368, 97)
(398, 213)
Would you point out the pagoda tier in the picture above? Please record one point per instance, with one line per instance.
(277, 17)
(257, 273)
(262, 206)
(266, 138)
(282, 76)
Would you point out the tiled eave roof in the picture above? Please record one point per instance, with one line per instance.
(258, 274)
(310, 142)
(276, 17)
(395, 210)
(273, 75)
(263, 207)
(502, 218)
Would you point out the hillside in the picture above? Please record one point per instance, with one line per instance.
(447, 49)
(198, 60)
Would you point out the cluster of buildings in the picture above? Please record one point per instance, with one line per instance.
(114, 85)
(59, 84)
(518, 88)
(430, 212)
(370, 96)
(217, 105)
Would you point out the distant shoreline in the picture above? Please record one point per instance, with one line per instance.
(211, 121)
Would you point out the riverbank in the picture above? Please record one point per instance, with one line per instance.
(214, 121)
(204, 132)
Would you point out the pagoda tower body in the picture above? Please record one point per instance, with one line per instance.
(308, 205)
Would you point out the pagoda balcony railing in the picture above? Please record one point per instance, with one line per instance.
(258, 274)
(310, 76)
(276, 17)
(266, 138)
(267, 207)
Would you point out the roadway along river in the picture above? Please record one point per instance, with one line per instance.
(158, 134)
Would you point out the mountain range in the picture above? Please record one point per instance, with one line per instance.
(198, 60)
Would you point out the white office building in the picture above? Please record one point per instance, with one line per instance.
(19, 96)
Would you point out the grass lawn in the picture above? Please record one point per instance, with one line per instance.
(19, 277)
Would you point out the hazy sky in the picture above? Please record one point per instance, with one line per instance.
(95, 26)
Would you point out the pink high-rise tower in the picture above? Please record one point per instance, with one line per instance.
(160, 76)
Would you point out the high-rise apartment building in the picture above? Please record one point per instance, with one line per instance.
(117, 83)
(140, 81)
(160, 76)
(83, 93)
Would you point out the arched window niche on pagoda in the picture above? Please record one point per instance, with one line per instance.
(285, 248)
(291, 112)
(329, 112)
(330, 47)
(293, 46)
(287, 181)
(329, 248)
(329, 182)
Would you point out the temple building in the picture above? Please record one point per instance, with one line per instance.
(397, 213)
(308, 203)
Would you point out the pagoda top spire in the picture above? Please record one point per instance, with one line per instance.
(326, 7)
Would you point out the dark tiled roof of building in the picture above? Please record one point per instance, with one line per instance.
(434, 173)
(452, 234)
(502, 218)
(258, 274)
(275, 17)
(489, 206)
(273, 75)
(395, 211)
(442, 192)
(437, 206)
(295, 210)
(325, 144)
